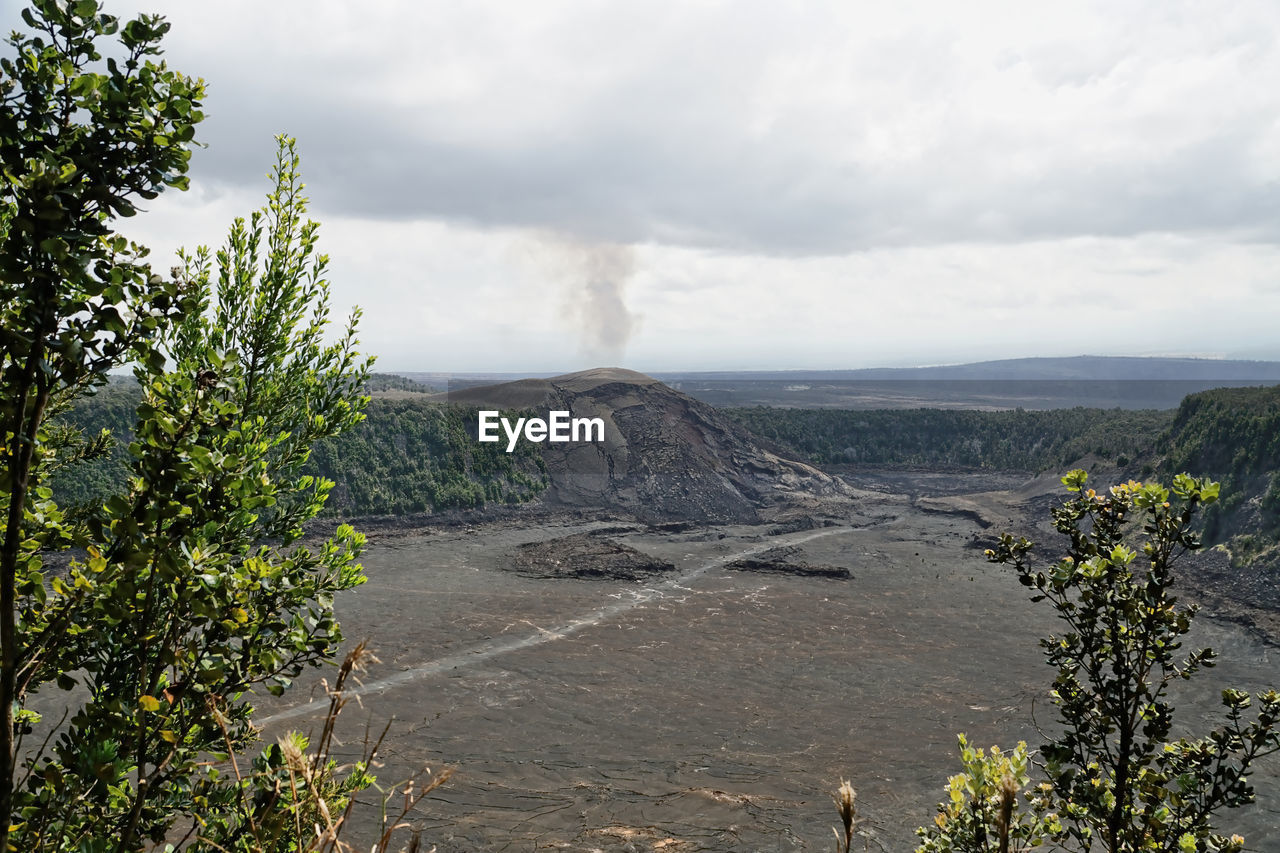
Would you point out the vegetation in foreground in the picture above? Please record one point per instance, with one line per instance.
(188, 588)
(1115, 778)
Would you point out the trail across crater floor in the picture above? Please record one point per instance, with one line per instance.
(487, 650)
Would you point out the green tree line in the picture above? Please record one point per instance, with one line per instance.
(1011, 440)
(1233, 435)
(407, 456)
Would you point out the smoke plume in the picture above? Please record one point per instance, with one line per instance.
(595, 276)
(604, 320)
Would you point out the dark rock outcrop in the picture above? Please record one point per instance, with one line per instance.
(588, 557)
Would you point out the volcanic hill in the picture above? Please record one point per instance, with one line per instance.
(665, 456)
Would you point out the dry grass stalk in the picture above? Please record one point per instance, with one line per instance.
(314, 777)
(844, 799)
(1008, 792)
(414, 791)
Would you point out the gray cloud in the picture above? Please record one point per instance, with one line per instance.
(620, 188)
(754, 128)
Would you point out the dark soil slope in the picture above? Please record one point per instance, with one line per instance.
(664, 455)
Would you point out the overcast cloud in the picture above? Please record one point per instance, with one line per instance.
(790, 185)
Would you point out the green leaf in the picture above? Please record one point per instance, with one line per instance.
(1075, 480)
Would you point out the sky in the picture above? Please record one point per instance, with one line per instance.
(686, 185)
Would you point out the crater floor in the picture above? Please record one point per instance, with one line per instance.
(708, 708)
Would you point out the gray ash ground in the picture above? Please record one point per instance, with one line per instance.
(708, 708)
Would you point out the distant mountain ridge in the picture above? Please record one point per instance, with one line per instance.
(1101, 382)
(1078, 368)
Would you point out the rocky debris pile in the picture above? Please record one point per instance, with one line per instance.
(796, 525)
(665, 456)
(586, 556)
(782, 561)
